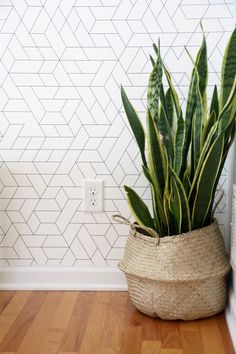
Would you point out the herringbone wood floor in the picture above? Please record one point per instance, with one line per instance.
(70, 322)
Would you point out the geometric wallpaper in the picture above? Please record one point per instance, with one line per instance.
(61, 118)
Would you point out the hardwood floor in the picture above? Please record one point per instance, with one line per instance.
(70, 322)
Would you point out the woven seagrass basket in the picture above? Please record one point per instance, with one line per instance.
(176, 277)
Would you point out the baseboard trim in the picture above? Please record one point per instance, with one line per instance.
(231, 317)
(62, 278)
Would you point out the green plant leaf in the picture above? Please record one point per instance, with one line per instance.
(205, 150)
(155, 47)
(156, 203)
(228, 112)
(185, 222)
(139, 208)
(206, 181)
(200, 68)
(169, 107)
(175, 206)
(182, 191)
(228, 70)
(209, 214)
(173, 93)
(179, 144)
(229, 135)
(209, 124)
(215, 102)
(167, 226)
(156, 158)
(164, 127)
(135, 124)
(213, 116)
(152, 60)
(209, 217)
(196, 132)
(186, 181)
(190, 109)
(154, 87)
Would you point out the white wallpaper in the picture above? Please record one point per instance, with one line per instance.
(61, 119)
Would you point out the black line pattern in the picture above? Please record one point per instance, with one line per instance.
(62, 63)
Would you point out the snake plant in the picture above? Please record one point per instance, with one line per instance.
(183, 154)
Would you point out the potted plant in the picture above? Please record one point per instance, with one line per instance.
(174, 260)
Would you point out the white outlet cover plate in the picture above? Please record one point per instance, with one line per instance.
(93, 195)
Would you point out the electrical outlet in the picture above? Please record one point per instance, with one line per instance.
(93, 195)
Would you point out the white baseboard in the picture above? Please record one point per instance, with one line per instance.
(231, 307)
(61, 278)
(231, 317)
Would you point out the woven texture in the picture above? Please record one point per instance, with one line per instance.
(177, 277)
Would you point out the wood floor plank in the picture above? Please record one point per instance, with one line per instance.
(211, 339)
(92, 339)
(191, 342)
(188, 326)
(5, 298)
(151, 347)
(74, 332)
(68, 322)
(131, 340)
(108, 350)
(224, 333)
(170, 334)
(151, 328)
(33, 341)
(133, 317)
(171, 351)
(59, 322)
(22, 323)
(113, 328)
(11, 311)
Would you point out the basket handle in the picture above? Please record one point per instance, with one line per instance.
(122, 220)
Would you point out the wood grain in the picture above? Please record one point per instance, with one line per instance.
(22, 323)
(56, 329)
(33, 341)
(190, 326)
(191, 342)
(151, 347)
(74, 332)
(171, 351)
(211, 338)
(10, 313)
(131, 340)
(113, 328)
(170, 334)
(5, 298)
(224, 333)
(92, 339)
(71, 322)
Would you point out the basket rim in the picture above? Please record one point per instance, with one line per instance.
(223, 273)
(185, 236)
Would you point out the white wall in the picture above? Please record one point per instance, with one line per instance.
(231, 307)
(62, 63)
